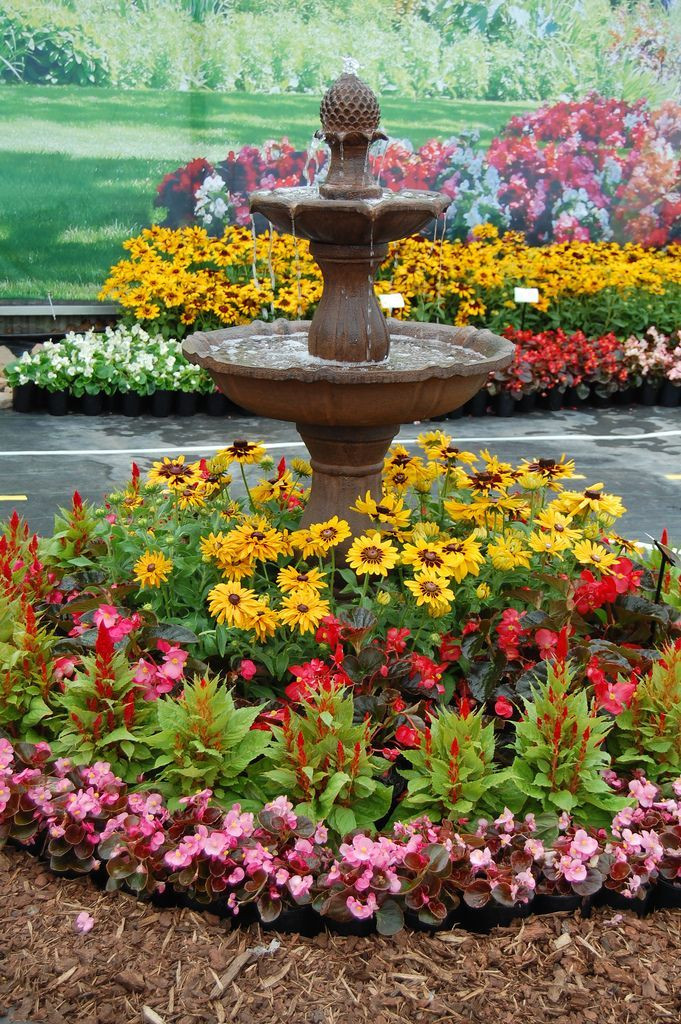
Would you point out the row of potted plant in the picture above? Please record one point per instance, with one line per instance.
(279, 867)
(129, 370)
(592, 169)
(124, 369)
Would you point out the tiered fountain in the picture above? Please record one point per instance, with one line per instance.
(350, 377)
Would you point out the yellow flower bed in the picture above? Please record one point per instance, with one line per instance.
(185, 277)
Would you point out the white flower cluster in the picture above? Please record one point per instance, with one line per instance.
(213, 201)
(119, 359)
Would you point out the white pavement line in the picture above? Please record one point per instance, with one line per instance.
(484, 438)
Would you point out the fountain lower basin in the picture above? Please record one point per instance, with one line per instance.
(431, 369)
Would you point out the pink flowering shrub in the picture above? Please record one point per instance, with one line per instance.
(592, 169)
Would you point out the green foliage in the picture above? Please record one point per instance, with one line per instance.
(453, 772)
(25, 667)
(647, 734)
(45, 43)
(106, 716)
(559, 755)
(206, 742)
(322, 759)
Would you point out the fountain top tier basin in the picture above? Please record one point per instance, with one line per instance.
(431, 369)
(367, 220)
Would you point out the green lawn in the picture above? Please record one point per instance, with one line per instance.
(79, 167)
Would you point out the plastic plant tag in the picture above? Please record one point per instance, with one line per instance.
(393, 300)
(526, 294)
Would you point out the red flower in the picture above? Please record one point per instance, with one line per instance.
(503, 708)
(407, 736)
(510, 633)
(396, 641)
(450, 650)
(614, 697)
(429, 673)
(329, 631)
(546, 641)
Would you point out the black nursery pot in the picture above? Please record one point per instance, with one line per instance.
(92, 405)
(217, 907)
(649, 392)
(599, 401)
(556, 903)
(354, 927)
(161, 402)
(493, 915)
(477, 405)
(215, 404)
(57, 403)
(411, 919)
(186, 403)
(667, 894)
(553, 400)
(22, 397)
(528, 403)
(295, 921)
(131, 404)
(641, 905)
(505, 405)
(670, 395)
(572, 397)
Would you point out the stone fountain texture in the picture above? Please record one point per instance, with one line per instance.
(350, 377)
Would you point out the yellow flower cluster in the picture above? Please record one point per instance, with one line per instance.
(450, 526)
(185, 275)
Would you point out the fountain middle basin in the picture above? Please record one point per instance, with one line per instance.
(347, 413)
(431, 369)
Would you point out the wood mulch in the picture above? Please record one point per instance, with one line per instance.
(140, 964)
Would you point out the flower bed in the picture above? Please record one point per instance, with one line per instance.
(176, 280)
(595, 169)
(479, 705)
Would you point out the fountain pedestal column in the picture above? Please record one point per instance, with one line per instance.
(346, 462)
(349, 325)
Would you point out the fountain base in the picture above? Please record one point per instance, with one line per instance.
(346, 462)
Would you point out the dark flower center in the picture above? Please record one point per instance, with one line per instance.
(234, 599)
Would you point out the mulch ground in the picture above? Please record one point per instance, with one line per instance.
(140, 964)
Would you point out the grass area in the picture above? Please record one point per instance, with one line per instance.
(79, 167)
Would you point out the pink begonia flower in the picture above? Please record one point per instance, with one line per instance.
(642, 791)
(527, 879)
(505, 820)
(321, 834)
(573, 870)
(145, 672)
(247, 669)
(564, 821)
(178, 858)
(232, 903)
(530, 822)
(4, 796)
(237, 824)
(236, 876)
(359, 852)
(676, 786)
(106, 615)
(84, 922)
(282, 876)
(535, 848)
(300, 885)
(583, 845)
(173, 663)
(215, 845)
(481, 858)
(6, 753)
(362, 910)
(283, 809)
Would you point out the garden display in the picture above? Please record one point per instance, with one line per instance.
(382, 687)
(596, 169)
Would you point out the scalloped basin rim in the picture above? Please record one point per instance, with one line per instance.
(203, 347)
(302, 196)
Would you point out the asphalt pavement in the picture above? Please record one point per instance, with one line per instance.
(635, 452)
